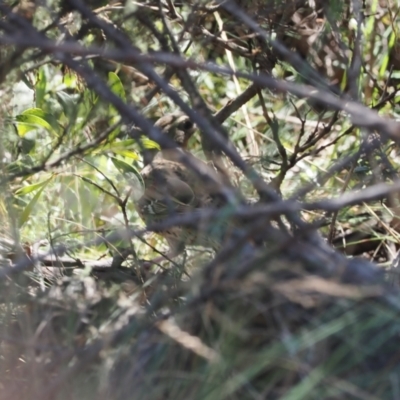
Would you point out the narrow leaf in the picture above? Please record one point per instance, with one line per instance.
(31, 205)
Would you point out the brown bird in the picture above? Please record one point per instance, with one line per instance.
(172, 188)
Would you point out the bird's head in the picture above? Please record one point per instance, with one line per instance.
(177, 127)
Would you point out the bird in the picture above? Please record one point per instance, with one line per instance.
(172, 188)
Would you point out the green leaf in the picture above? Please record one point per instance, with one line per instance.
(70, 80)
(121, 144)
(32, 118)
(126, 169)
(31, 205)
(370, 22)
(123, 166)
(116, 132)
(116, 85)
(121, 148)
(40, 88)
(26, 122)
(27, 145)
(33, 187)
(126, 153)
(16, 167)
(385, 59)
(23, 128)
(69, 104)
(49, 118)
(149, 144)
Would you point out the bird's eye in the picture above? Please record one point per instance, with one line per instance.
(187, 125)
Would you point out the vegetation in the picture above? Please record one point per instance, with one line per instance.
(298, 102)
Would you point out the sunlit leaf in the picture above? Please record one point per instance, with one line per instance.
(70, 80)
(121, 144)
(33, 187)
(28, 122)
(116, 85)
(149, 144)
(116, 132)
(126, 153)
(35, 117)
